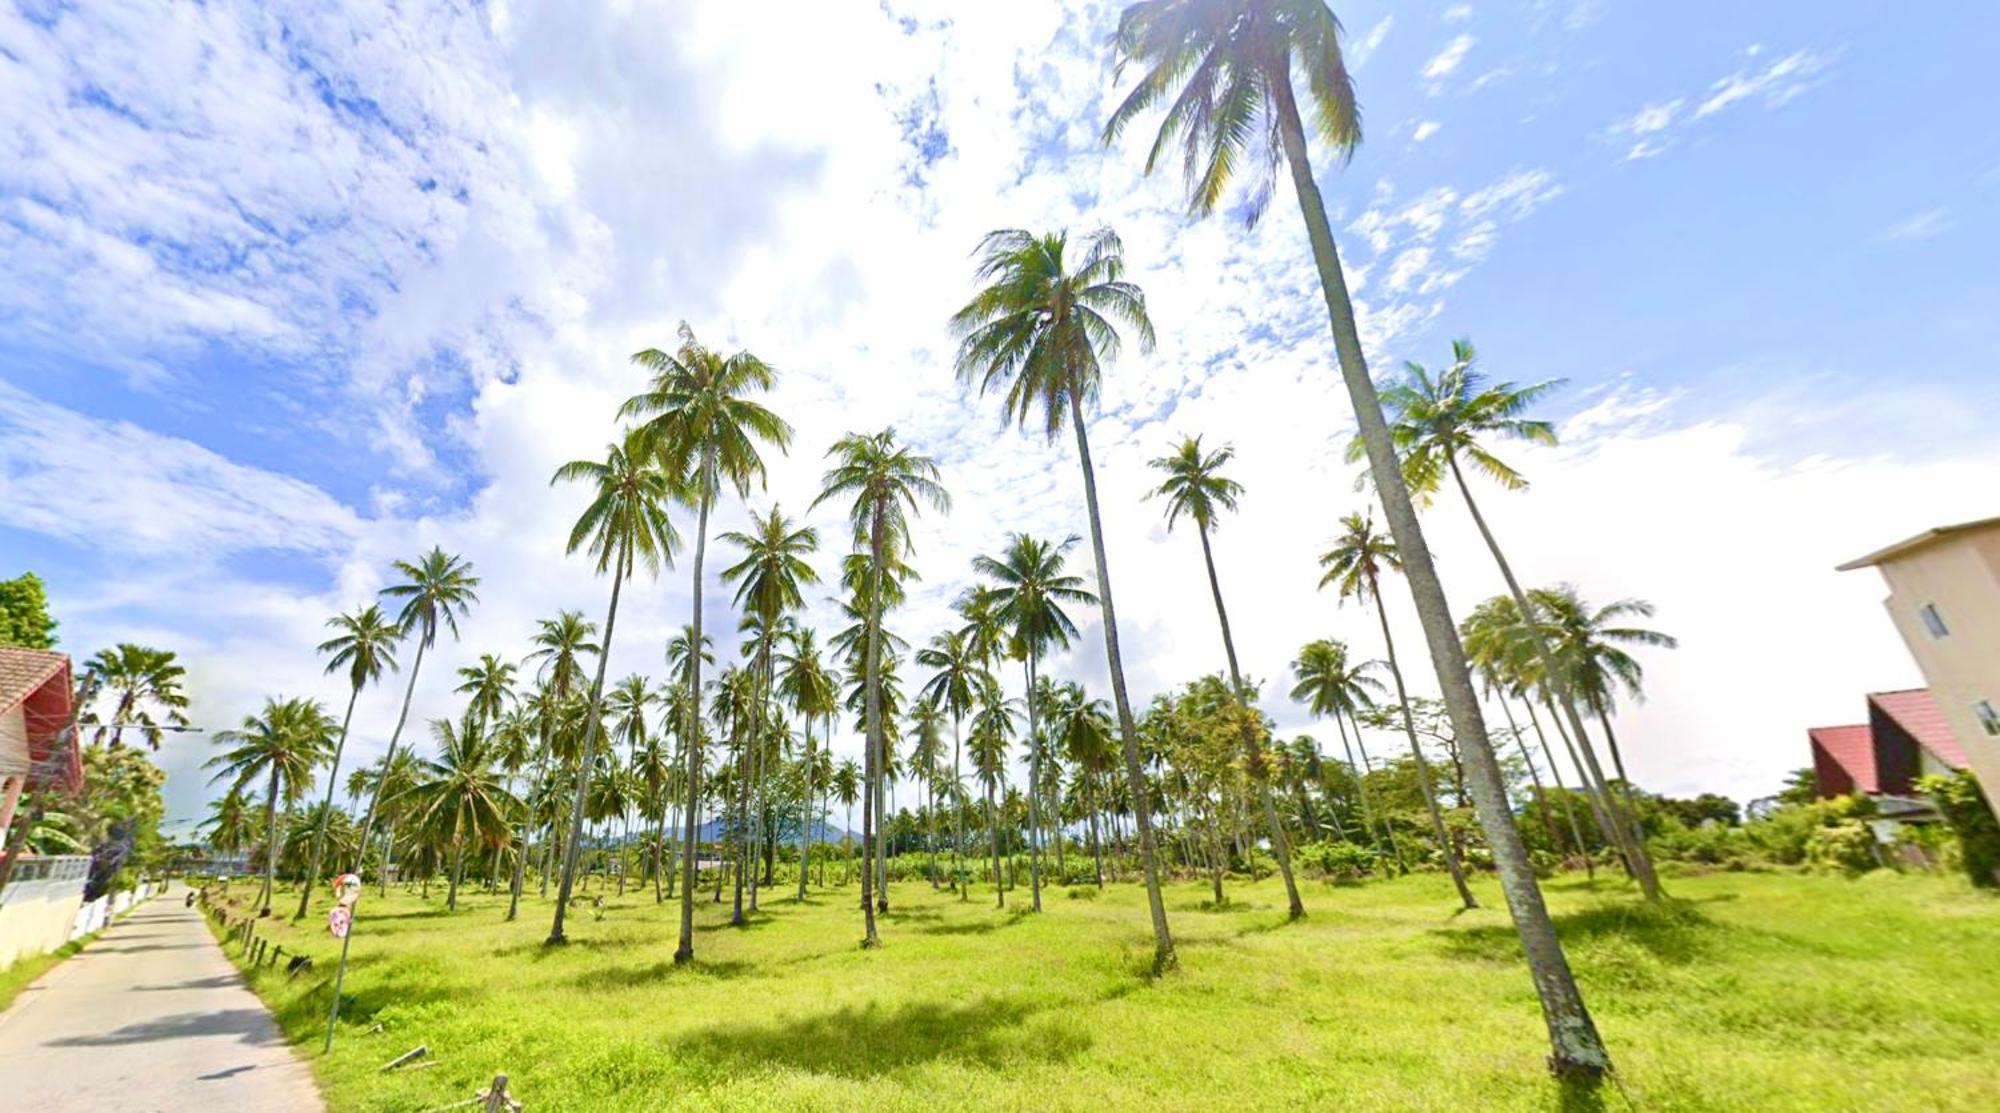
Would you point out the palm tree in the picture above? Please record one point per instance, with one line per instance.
(228, 823)
(1354, 566)
(1195, 486)
(847, 789)
(459, 796)
(1439, 423)
(137, 676)
(562, 644)
(889, 484)
(927, 753)
(704, 425)
(1030, 588)
(990, 729)
(1493, 642)
(953, 686)
(1225, 67)
(810, 689)
(437, 590)
(1041, 330)
(283, 744)
(769, 584)
(624, 527)
(1329, 684)
(489, 687)
(1085, 730)
(364, 646)
(1590, 648)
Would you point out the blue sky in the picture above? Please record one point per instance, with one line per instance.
(298, 289)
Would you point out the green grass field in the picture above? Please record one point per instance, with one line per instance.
(1750, 991)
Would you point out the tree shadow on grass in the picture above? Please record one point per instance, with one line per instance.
(634, 977)
(872, 1041)
(1671, 931)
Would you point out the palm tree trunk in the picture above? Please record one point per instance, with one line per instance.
(993, 832)
(1576, 1049)
(805, 807)
(1096, 846)
(326, 808)
(743, 852)
(957, 811)
(1541, 798)
(1569, 805)
(1423, 767)
(1280, 846)
(270, 844)
(872, 681)
(685, 951)
(457, 872)
(1034, 790)
(389, 759)
(1367, 769)
(586, 762)
(1623, 828)
(881, 844)
(1163, 940)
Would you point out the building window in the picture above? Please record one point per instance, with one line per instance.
(1989, 719)
(1933, 621)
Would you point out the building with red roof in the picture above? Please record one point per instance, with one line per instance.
(1906, 737)
(37, 747)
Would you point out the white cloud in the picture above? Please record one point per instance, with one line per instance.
(1925, 225)
(1444, 63)
(1457, 13)
(1358, 52)
(1424, 130)
(1654, 127)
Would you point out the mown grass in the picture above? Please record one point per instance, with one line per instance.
(24, 972)
(1749, 991)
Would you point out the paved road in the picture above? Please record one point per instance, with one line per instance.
(150, 1017)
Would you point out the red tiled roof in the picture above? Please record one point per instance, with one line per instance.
(1844, 754)
(1917, 711)
(38, 682)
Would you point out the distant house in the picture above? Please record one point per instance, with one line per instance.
(1944, 598)
(35, 694)
(1905, 737)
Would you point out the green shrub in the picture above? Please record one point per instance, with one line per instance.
(1964, 807)
(1847, 846)
(1339, 861)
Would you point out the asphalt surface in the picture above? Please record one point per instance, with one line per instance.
(149, 1017)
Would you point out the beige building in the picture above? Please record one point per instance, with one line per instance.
(1944, 597)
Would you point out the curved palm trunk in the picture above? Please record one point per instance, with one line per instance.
(1128, 734)
(1576, 1049)
(586, 762)
(389, 760)
(1034, 791)
(270, 844)
(1569, 805)
(685, 951)
(326, 808)
(1280, 846)
(872, 679)
(1623, 828)
(1423, 767)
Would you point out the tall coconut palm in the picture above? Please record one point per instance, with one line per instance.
(888, 484)
(627, 704)
(1030, 588)
(283, 743)
(1040, 329)
(1328, 683)
(953, 686)
(488, 687)
(139, 679)
(1084, 728)
(1493, 641)
(702, 423)
(1440, 423)
(562, 646)
(364, 646)
(991, 728)
(847, 789)
(769, 585)
(624, 527)
(1590, 646)
(228, 827)
(459, 798)
(1354, 567)
(926, 722)
(1226, 70)
(1195, 487)
(437, 589)
(804, 683)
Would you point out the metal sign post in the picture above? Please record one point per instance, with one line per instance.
(340, 923)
